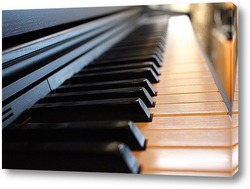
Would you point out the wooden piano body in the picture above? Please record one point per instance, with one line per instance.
(191, 132)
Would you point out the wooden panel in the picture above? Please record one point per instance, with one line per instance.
(222, 61)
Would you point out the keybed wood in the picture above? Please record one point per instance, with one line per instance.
(191, 132)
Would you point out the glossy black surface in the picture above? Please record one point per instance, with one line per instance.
(138, 92)
(102, 131)
(70, 156)
(107, 85)
(112, 109)
(116, 75)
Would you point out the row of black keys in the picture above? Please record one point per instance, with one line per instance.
(112, 87)
(63, 133)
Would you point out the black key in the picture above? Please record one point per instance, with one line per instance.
(158, 33)
(96, 131)
(138, 46)
(134, 60)
(148, 31)
(150, 27)
(143, 41)
(151, 30)
(144, 37)
(132, 53)
(115, 75)
(143, 33)
(140, 42)
(108, 85)
(70, 156)
(122, 66)
(136, 92)
(113, 109)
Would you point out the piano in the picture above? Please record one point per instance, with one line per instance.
(112, 89)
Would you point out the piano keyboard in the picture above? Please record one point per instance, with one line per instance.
(148, 105)
(191, 132)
